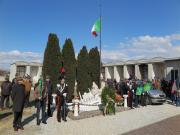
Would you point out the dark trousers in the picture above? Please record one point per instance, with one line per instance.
(143, 99)
(41, 106)
(130, 99)
(6, 99)
(49, 113)
(27, 99)
(177, 101)
(173, 97)
(137, 100)
(61, 109)
(17, 122)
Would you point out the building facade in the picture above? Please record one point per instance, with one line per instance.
(155, 68)
(34, 69)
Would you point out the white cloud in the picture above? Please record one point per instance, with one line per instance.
(145, 47)
(133, 48)
(6, 58)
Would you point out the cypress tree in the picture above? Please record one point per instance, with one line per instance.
(94, 59)
(69, 63)
(83, 73)
(52, 59)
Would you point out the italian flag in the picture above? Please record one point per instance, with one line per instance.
(96, 28)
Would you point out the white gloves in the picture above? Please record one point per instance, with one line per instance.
(64, 94)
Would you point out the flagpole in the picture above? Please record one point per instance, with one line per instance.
(100, 43)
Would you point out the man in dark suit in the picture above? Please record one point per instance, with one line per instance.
(18, 98)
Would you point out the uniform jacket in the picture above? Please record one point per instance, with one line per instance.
(60, 91)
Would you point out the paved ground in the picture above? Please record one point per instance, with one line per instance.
(170, 126)
(141, 121)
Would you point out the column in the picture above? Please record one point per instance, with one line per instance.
(137, 72)
(151, 73)
(126, 74)
(76, 107)
(106, 73)
(28, 70)
(12, 71)
(116, 74)
(39, 71)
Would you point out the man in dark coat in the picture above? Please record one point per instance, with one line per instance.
(18, 97)
(6, 88)
(123, 87)
(61, 92)
(49, 89)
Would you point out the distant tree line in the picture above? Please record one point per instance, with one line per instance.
(84, 69)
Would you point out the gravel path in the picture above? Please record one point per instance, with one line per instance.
(110, 125)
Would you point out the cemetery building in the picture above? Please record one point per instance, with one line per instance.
(34, 69)
(155, 68)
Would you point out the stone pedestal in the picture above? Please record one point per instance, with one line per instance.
(125, 100)
(76, 109)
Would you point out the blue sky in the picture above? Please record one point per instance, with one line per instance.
(126, 26)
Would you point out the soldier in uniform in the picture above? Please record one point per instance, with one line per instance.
(61, 92)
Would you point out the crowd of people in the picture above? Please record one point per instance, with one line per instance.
(19, 91)
(137, 90)
(20, 88)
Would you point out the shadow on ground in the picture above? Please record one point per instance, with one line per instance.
(4, 115)
(168, 126)
(7, 112)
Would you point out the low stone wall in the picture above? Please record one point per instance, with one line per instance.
(89, 114)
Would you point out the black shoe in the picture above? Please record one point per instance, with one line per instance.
(22, 128)
(44, 122)
(15, 129)
(59, 121)
(38, 123)
(64, 120)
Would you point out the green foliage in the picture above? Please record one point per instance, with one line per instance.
(69, 63)
(107, 92)
(52, 59)
(94, 64)
(83, 75)
(108, 98)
